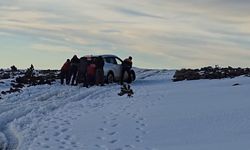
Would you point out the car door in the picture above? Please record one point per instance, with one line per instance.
(119, 67)
(111, 65)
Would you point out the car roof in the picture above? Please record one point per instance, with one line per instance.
(105, 55)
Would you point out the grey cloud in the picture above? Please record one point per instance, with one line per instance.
(131, 12)
(110, 31)
(192, 33)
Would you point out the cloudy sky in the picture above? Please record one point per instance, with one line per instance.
(157, 33)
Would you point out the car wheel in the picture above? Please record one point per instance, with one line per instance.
(110, 78)
(133, 77)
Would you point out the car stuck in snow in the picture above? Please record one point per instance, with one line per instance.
(113, 68)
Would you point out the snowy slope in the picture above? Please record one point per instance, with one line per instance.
(190, 115)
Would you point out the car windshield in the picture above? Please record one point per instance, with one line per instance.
(110, 60)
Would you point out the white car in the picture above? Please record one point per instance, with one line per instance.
(113, 68)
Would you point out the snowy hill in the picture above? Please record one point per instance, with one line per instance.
(162, 115)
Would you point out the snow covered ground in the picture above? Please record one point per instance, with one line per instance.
(162, 115)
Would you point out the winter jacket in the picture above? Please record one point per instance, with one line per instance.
(99, 63)
(66, 66)
(91, 70)
(75, 61)
(127, 63)
(83, 66)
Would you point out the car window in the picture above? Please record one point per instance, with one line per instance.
(118, 61)
(110, 60)
(113, 61)
(107, 60)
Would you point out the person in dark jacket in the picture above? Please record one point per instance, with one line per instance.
(65, 72)
(82, 71)
(126, 67)
(74, 69)
(99, 71)
(91, 71)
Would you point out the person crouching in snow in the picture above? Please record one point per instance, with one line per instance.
(126, 67)
(65, 72)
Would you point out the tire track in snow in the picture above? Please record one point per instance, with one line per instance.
(40, 102)
(38, 105)
(19, 110)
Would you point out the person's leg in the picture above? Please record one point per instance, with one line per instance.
(122, 76)
(129, 76)
(87, 80)
(67, 77)
(102, 77)
(74, 75)
(62, 77)
(97, 77)
(79, 77)
(85, 84)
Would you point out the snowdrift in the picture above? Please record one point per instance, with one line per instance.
(190, 115)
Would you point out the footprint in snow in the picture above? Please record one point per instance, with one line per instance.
(102, 129)
(113, 141)
(73, 144)
(105, 122)
(112, 133)
(140, 129)
(113, 119)
(46, 146)
(63, 142)
(129, 146)
(114, 125)
(64, 130)
(67, 137)
(101, 146)
(100, 138)
(61, 147)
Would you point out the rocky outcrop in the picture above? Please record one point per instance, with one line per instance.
(210, 73)
(23, 79)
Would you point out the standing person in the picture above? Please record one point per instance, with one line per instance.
(126, 67)
(99, 71)
(91, 71)
(65, 72)
(82, 71)
(74, 68)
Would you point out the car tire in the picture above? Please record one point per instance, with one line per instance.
(110, 78)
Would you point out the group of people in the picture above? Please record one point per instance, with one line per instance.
(86, 70)
(89, 71)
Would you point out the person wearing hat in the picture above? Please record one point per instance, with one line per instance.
(126, 67)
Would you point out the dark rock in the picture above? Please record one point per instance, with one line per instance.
(19, 85)
(22, 80)
(210, 73)
(13, 68)
(236, 84)
(3, 92)
(179, 75)
(5, 76)
(12, 90)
